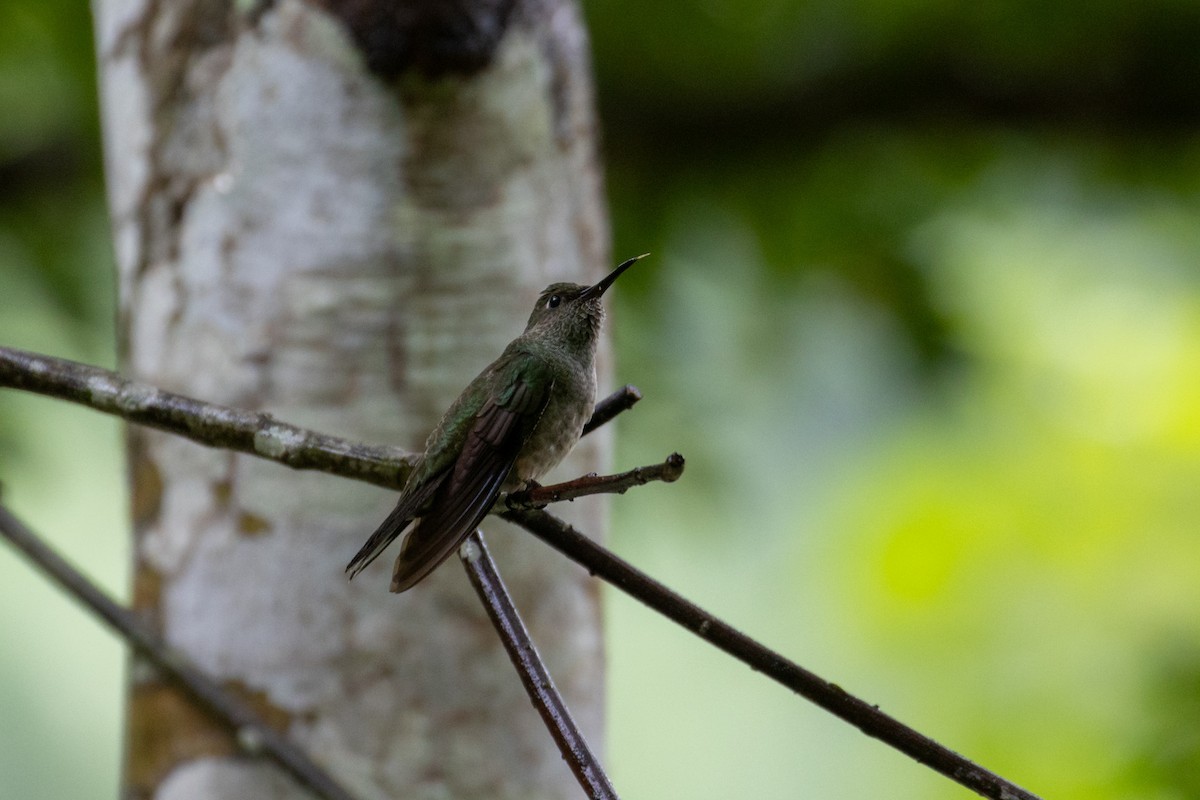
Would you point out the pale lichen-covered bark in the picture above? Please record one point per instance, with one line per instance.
(298, 235)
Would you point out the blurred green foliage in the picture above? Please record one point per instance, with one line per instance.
(924, 315)
(53, 226)
(61, 689)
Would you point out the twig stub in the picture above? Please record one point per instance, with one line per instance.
(538, 497)
(621, 400)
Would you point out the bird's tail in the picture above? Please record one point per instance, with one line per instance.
(385, 534)
(410, 505)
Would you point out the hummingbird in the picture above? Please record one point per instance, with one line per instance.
(512, 424)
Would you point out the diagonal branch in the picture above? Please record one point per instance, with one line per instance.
(667, 472)
(251, 432)
(542, 692)
(147, 405)
(251, 733)
(829, 696)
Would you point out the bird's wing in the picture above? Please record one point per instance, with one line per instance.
(470, 488)
(407, 507)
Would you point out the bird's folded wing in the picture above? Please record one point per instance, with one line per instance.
(470, 488)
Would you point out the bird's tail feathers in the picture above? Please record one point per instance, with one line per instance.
(385, 534)
(409, 506)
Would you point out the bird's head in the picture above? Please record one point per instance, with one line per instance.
(571, 313)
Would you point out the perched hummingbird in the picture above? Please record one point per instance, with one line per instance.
(510, 426)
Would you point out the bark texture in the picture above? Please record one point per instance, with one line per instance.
(302, 232)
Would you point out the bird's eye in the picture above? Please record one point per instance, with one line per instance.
(553, 301)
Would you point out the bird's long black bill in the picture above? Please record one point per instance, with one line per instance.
(607, 281)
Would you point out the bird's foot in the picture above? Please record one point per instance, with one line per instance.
(522, 494)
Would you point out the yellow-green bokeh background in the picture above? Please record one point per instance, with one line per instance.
(924, 315)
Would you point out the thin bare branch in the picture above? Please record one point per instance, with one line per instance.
(250, 732)
(667, 472)
(620, 400)
(105, 391)
(829, 696)
(209, 424)
(534, 675)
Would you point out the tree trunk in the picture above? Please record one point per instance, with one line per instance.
(339, 212)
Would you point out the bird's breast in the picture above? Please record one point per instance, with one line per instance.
(558, 429)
